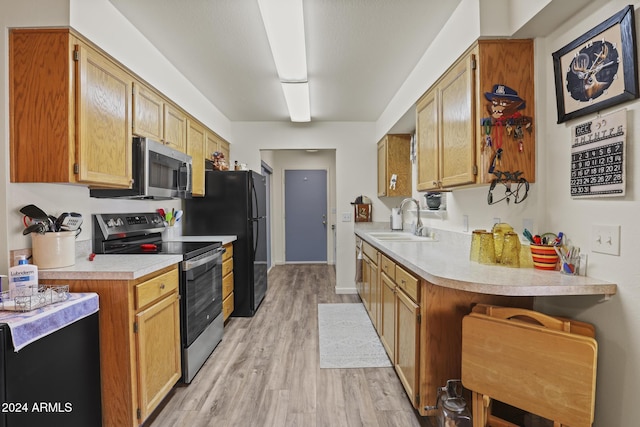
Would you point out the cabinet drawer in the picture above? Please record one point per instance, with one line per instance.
(227, 285)
(228, 253)
(227, 306)
(155, 288)
(370, 251)
(407, 282)
(388, 267)
(227, 266)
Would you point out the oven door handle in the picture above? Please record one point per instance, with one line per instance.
(189, 265)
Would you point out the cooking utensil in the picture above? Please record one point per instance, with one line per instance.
(34, 212)
(38, 227)
(69, 221)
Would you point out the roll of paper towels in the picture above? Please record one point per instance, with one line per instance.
(396, 219)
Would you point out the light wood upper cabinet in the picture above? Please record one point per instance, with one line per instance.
(148, 112)
(70, 111)
(195, 148)
(453, 149)
(175, 127)
(103, 117)
(158, 118)
(445, 130)
(216, 143)
(393, 159)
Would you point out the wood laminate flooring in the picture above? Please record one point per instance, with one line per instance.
(266, 371)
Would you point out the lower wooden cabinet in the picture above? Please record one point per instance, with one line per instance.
(158, 330)
(407, 355)
(420, 325)
(400, 325)
(387, 329)
(227, 282)
(140, 357)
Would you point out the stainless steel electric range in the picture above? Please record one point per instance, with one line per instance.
(202, 325)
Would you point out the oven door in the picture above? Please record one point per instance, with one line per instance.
(201, 293)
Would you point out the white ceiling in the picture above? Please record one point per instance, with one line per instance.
(359, 52)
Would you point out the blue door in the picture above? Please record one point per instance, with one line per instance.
(305, 213)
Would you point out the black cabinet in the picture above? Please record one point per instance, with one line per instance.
(54, 381)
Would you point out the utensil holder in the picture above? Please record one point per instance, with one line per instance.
(544, 257)
(54, 250)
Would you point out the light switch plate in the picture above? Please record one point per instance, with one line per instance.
(346, 216)
(605, 239)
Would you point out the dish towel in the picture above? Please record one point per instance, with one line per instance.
(27, 327)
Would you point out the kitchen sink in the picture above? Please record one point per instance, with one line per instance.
(400, 237)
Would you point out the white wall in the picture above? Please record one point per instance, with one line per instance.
(281, 160)
(355, 170)
(617, 321)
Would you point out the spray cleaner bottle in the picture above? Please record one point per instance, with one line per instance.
(23, 278)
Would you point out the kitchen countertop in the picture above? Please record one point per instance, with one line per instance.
(122, 267)
(446, 263)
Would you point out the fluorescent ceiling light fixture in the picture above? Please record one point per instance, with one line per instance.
(284, 23)
(297, 97)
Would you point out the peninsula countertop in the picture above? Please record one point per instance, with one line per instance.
(445, 262)
(121, 267)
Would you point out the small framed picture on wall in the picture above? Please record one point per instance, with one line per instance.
(598, 69)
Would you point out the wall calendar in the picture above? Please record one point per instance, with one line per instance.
(597, 156)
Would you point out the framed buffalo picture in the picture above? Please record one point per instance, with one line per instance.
(598, 69)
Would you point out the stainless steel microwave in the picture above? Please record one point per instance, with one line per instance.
(159, 172)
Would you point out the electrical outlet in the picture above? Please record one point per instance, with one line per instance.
(605, 239)
(496, 220)
(527, 223)
(346, 216)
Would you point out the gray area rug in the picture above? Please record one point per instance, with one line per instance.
(348, 339)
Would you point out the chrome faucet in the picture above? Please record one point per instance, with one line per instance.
(419, 225)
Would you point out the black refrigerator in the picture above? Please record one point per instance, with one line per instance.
(235, 204)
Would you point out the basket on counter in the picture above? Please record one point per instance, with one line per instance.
(28, 299)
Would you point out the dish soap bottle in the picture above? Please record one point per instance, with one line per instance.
(23, 278)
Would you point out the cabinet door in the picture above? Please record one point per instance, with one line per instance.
(457, 144)
(158, 350)
(375, 294)
(407, 345)
(382, 168)
(148, 113)
(103, 114)
(211, 145)
(175, 127)
(195, 148)
(366, 283)
(223, 147)
(387, 330)
(427, 136)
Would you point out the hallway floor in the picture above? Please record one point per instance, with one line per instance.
(265, 372)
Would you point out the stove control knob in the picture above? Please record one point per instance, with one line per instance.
(119, 222)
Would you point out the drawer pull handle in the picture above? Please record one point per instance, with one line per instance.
(162, 286)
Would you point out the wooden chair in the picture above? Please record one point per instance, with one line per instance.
(538, 363)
